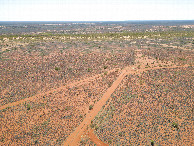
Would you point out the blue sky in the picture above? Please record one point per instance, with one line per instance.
(95, 10)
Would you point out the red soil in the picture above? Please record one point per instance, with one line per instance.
(77, 83)
(95, 139)
(75, 137)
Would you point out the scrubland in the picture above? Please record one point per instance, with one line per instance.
(52, 83)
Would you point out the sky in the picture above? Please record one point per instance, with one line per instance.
(95, 10)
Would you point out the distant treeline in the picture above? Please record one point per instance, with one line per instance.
(132, 35)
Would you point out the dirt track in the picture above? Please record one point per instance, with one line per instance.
(75, 137)
(95, 139)
(77, 83)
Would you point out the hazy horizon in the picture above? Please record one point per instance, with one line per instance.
(89, 20)
(96, 10)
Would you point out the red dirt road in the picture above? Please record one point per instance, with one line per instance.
(95, 139)
(77, 83)
(75, 137)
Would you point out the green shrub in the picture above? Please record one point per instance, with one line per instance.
(182, 59)
(105, 67)
(160, 65)
(96, 128)
(28, 107)
(152, 143)
(57, 68)
(110, 141)
(175, 125)
(138, 66)
(89, 69)
(91, 107)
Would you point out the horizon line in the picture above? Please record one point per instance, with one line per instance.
(94, 20)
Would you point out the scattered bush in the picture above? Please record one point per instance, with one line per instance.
(89, 69)
(109, 141)
(175, 125)
(152, 143)
(28, 107)
(105, 67)
(91, 107)
(57, 68)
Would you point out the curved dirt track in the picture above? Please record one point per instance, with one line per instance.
(95, 139)
(75, 137)
(76, 83)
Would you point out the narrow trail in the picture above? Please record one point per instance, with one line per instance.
(74, 138)
(155, 68)
(76, 83)
(95, 139)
